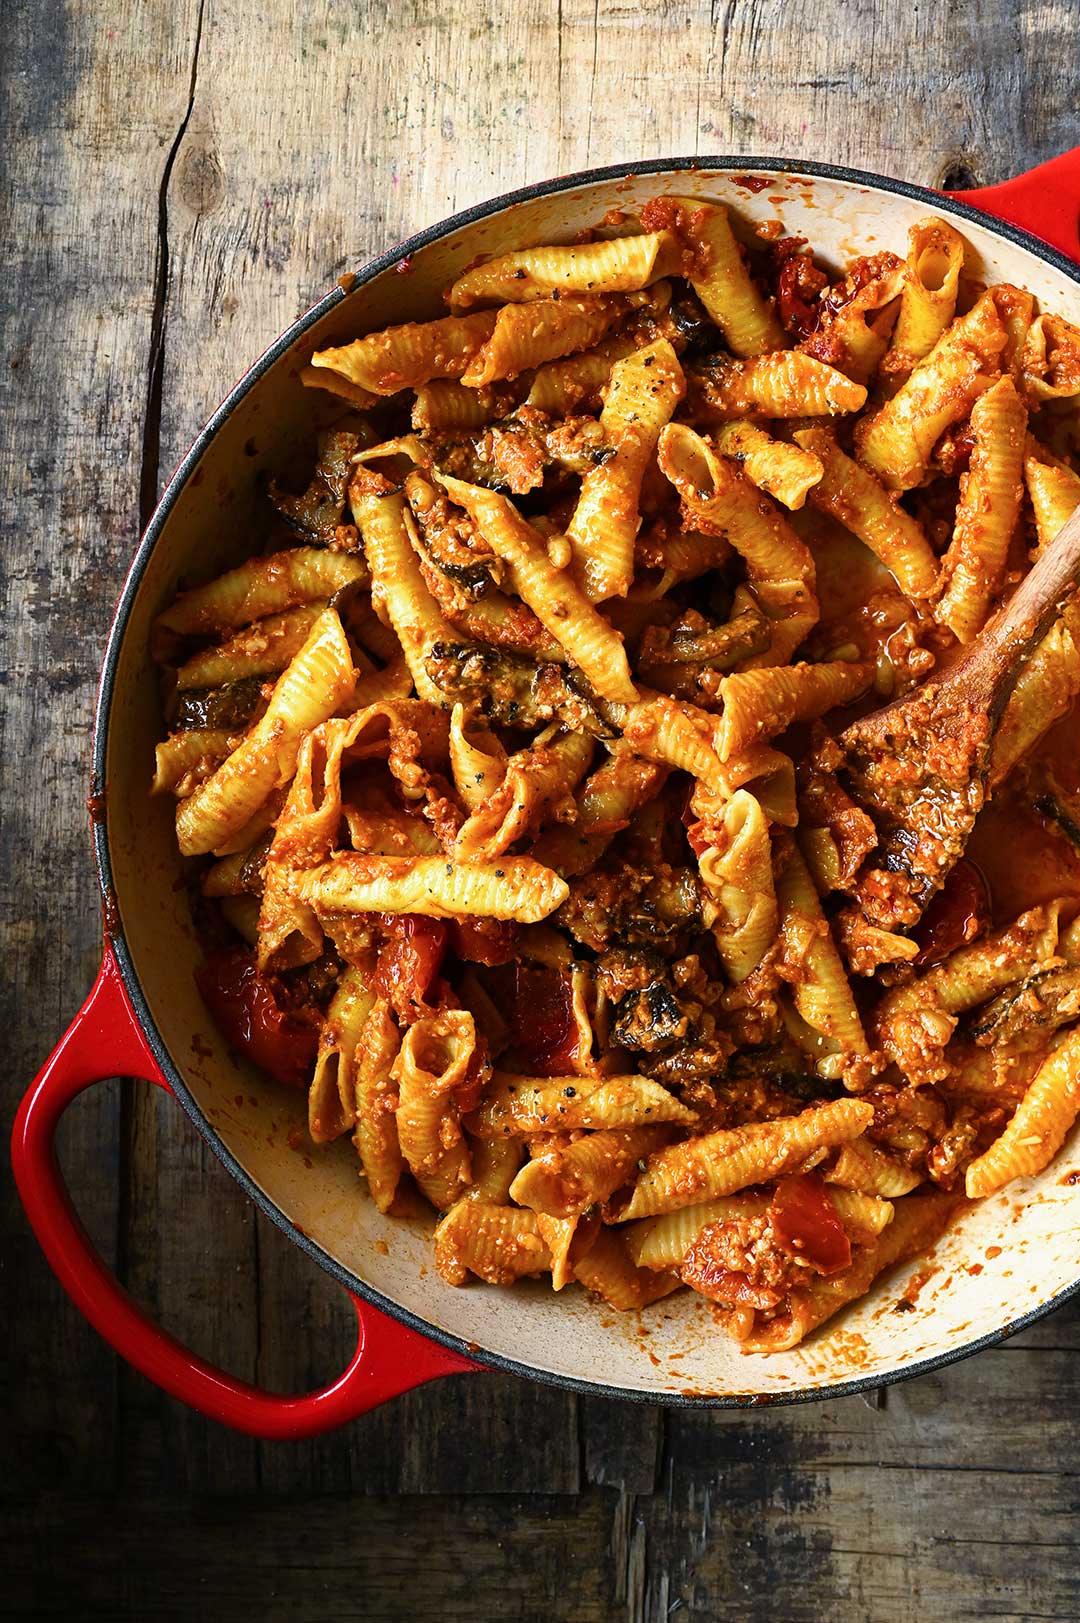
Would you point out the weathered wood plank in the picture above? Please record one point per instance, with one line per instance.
(86, 112)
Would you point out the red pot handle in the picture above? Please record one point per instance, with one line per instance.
(105, 1039)
(1044, 201)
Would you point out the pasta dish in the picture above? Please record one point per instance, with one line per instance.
(612, 792)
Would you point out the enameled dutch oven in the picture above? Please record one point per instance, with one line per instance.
(1011, 1259)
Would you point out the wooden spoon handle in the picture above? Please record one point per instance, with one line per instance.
(991, 665)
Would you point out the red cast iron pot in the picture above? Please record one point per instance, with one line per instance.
(144, 1018)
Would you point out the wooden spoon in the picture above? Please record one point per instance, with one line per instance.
(919, 765)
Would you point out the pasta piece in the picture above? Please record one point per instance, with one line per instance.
(477, 762)
(759, 704)
(495, 1165)
(500, 1244)
(1055, 494)
(553, 597)
(676, 734)
(332, 1096)
(862, 1166)
(931, 279)
(918, 1222)
(261, 587)
(432, 1070)
(262, 649)
(767, 773)
(990, 492)
(623, 265)
(607, 1271)
(785, 383)
(317, 682)
(237, 875)
(567, 1178)
(662, 1242)
(448, 405)
(548, 1104)
(897, 442)
(736, 872)
(1016, 307)
(1050, 363)
(820, 989)
(644, 390)
(312, 378)
(289, 932)
(525, 336)
(376, 1136)
(717, 498)
(568, 1239)
(537, 781)
(913, 1023)
(720, 1163)
(864, 1216)
(684, 555)
(856, 318)
(509, 888)
(1049, 679)
(850, 494)
(189, 758)
(1048, 683)
(398, 586)
(723, 283)
(605, 804)
(560, 387)
(411, 355)
(785, 472)
(1037, 1130)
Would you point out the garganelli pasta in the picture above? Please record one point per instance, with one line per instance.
(512, 775)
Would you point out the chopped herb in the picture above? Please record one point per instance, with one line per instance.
(571, 1093)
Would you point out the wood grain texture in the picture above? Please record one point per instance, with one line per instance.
(179, 181)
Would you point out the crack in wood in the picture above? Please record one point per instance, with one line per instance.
(151, 445)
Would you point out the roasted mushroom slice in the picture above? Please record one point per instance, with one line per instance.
(688, 659)
(1041, 1002)
(451, 542)
(229, 708)
(516, 692)
(515, 454)
(317, 514)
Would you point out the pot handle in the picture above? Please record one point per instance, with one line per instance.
(105, 1039)
(1044, 201)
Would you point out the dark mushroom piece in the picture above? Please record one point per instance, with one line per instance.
(317, 514)
(516, 692)
(919, 765)
(1042, 1002)
(688, 659)
(450, 540)
(225, 709)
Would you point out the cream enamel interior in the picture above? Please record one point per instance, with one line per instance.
(1013, 1253)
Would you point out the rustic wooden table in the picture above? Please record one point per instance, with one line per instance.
(180, 180)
